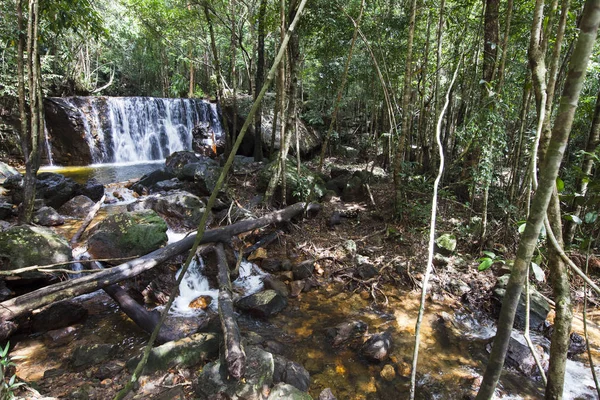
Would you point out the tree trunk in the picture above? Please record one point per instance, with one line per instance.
(260, 67)
(541, 199)
(509, 7)
(490, 40)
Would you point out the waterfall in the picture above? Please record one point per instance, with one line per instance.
(47, 146)
(138, 129)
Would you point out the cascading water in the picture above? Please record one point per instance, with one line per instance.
(138, 129)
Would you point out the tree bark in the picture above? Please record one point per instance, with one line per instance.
(541, 199)
(260, 75)
(490, 40)
(14, 307)
(235, 356)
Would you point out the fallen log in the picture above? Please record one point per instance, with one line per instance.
(88, 219)
(235, 356)
(14, 307)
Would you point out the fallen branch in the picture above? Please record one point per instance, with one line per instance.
(235, 356)
(49, 267)
(86, 222)
(20, 305)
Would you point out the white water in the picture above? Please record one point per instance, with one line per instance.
(47, 145)
(138, 129)
(195, 284)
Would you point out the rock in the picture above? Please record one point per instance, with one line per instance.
(93, 190)
(62, 336)
(327, 394)
(365, 270)
(47, 216)
(297, 287)
(6, 171)
(5, 292)
(128, 234)
(337, 184)
(43, 246)
(148, 180)
(263, 304)
(388, 372)
(58, 315)
(519, 356)
(77, 207)
(168, 186)
(90, 355)
(297, 185)
(577, 345)
(55, 189)
(446, 244)
(539, 307)
(458, 287)
(290, 372)
(350, 333)
(213, 379)
(175, 162)
(271, 265)
(6, 210)
(182, 353)
(303, 269)
(201, 302)
(377, 347)
(181, 206)
(440, 260)
(348, 152)
(270, 282)
(354, 190)
(288, 392)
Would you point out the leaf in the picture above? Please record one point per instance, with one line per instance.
(489, 254)
(522, 227)
(591, 217)
(538, 272)
(574, 218)
(485, 264)
(560, 185)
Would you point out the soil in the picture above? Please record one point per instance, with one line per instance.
(396, 248)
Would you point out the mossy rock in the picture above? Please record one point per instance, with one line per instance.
(297, 185)
(128, 234)
(446, 243)
(24, 246)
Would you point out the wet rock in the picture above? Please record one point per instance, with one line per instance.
(5, 292)
(446, 244)
(77, 207)
(214, 379)
(297, 185)
(47, 216)
(290, 372)
(183, 207)
(303, 269)
(288, 392)
(388, 372)
(204, 174)
(6, 171)
(148, 180)
(365, 270)
(109, 370)
(62, 336)
(183, 353)
(348, 333)
(327, 394)
(58, 315)
(89, 355)
(458, 287)
(577, 345)
(270, 282)
(539, 307)
(297, 287)
(93, 190)
(263, 304)
(202, 302)
(519, 356)
(55, 189)
(175, 162)
(377, 347)
(271, 265)
(128, 234)
(6, 209)
(43, 246)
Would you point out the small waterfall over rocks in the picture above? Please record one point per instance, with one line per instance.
(97, 130)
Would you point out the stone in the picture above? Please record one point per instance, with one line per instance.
(337, 184)
(288, 392)
(297, 287)
(290, 372)
(519, 356)
(271, 282)
(303, 269)
(150, 179)
(348, 333)
(6, 171)
(201, 302)
(93, 190)
(62, 336)
(446, 244)
(182, 353)
(175, 162)
(186, 208)
(213, 379)
(55, 189)
(271, 265)
(91, 355)
(388, 372)
(7, 210)
(44, 247)
(539, 307)
(366, 271)
(440, 260)
(58, 315)
(47, 216)
(129, 234)
(262, 304)
(77, 207)
(354, 190)
(377, 347)
(326, 394)
(458, 287)
(348, 152)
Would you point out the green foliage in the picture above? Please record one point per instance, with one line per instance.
(8, 383)
(490, 258)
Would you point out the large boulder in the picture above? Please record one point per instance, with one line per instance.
(290, 372)
(176, 161)
(58, 315)
(92, 189)
(298, 186)
(538, 308)
(24, 246)
(128, 234)
(147, 181)
(214, 378)
(192, 167)
(77, 207)
(181, 206)
(55, 189)
(47, 216)
(263, 304)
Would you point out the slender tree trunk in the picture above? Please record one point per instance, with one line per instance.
(260, 66)
(406, 110)
(232, 135)
(509, 7)
(541, 199)
(490, 40)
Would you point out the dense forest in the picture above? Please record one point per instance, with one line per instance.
(463, 133)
